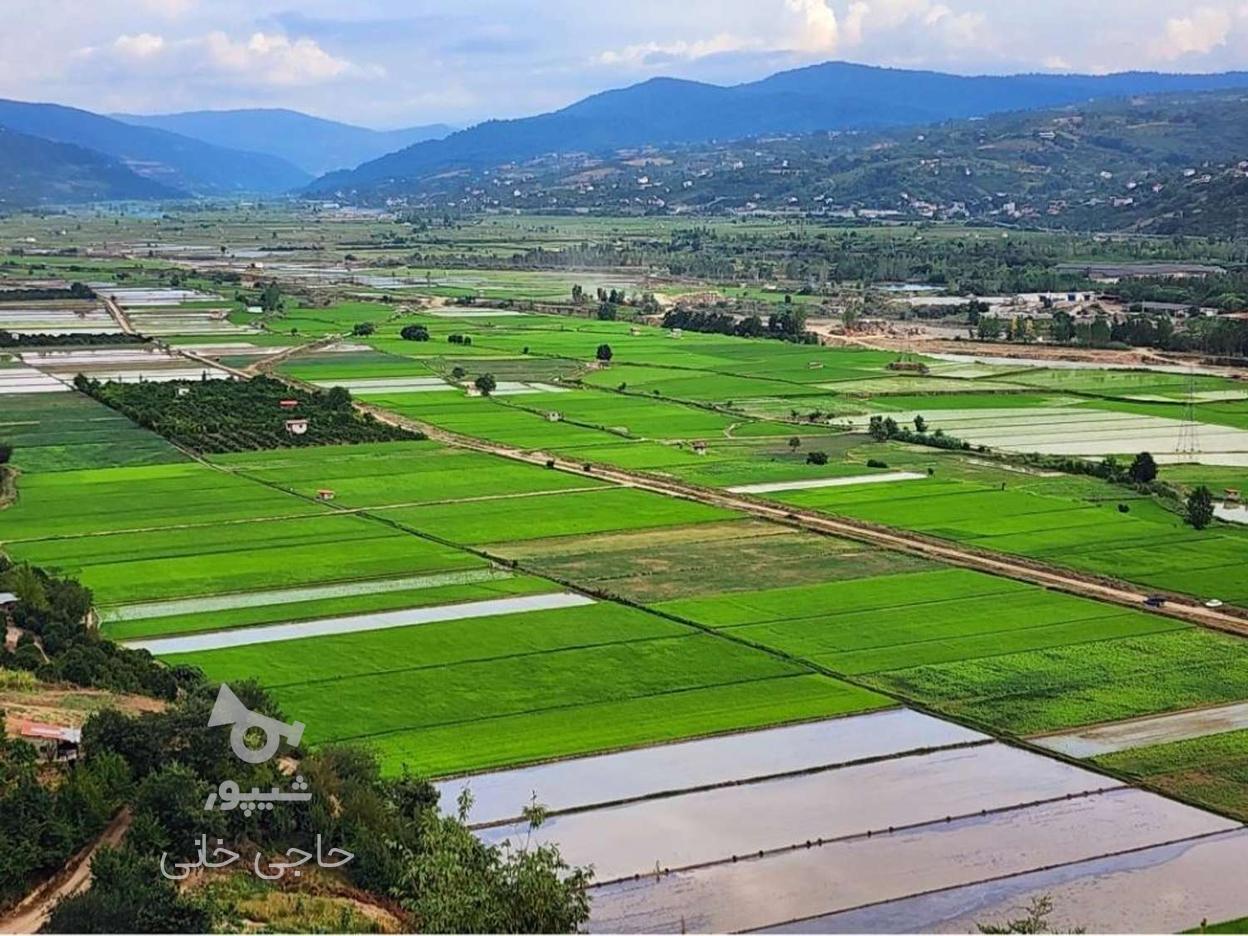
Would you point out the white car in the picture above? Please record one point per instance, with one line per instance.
(1213, 603)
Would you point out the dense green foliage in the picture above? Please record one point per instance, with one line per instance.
(41, 826)
(236, 415)
(886, 429)
(1199, 511)
(442, 875)
(788, 325)
(68, 340)
(75, 290)
(128, 895)
(57, 645)
(1143, 468)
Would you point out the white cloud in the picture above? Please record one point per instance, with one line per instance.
(170, 9)
(957, 29)
(1201, 31)
(274, 58)
(815, 30)
(263, 58)
(822, 31)
(819, 30)
(659, 52)
(144, 45)
(854, 21)
(941, 24)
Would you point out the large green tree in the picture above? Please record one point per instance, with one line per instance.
(453, 883)
(1199, 510)
(1143, 469)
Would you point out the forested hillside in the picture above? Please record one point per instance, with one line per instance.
(1166, 164)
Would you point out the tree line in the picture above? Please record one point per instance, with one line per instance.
(787, 325)
(42, 824)
(68, 340)
(55, 645)
(48, 293)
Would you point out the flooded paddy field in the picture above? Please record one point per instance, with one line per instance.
(143, 296)
(389, 384)
(124, 365)
(723, 824)
(52, 320)
(1163, 889)
(646, 772)
(1073, 430)
(1045, 364)
(809, 483)
(23, 380)
(884, 822)
(1142, 732)
(229, 602)
(453, 313)
(297, 630)
(809, 883)
(185, 322)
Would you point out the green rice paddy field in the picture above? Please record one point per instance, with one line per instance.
(395, 689)
(1038, 691)
(246, 536)
(66, 431)
(713, 390)
(704, 621)
(1068, 522)
(1212, 770)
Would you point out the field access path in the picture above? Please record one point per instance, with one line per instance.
(1025, 570)
(1098, 588)
(32, 912)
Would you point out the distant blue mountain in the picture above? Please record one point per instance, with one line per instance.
(831, 96)
(35, 171)
(313, 144)
(174, 161)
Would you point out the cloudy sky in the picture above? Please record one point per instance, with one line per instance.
(388, 63)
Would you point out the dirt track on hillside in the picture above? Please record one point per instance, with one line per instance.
(29, 915)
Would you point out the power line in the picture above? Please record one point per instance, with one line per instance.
(1189, 433)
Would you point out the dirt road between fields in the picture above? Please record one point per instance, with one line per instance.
(119, 315)
(1021, 569)
(32, 912)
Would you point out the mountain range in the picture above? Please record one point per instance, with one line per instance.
(180, 163)
(1163, 164)
(819, 115)
(665, 111)
(34, 170)
(313, 144)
